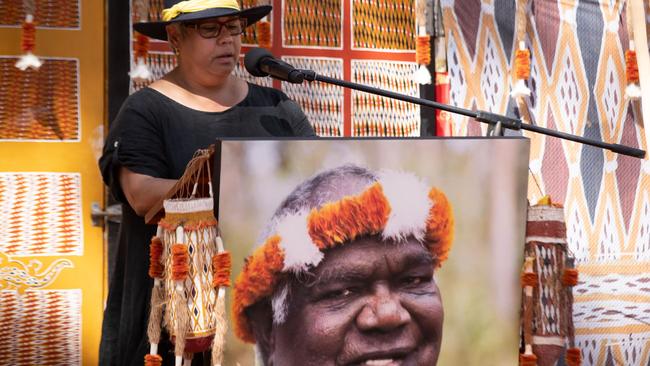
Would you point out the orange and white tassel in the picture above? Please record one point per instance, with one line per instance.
(152, 360)
(633, 90)
(522, 72)
(422, 57)
(573, 357)
(263, 33)
(28, 43)
(223, 260)
(156, 270)
(141, 71)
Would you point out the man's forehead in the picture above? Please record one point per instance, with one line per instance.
(362, 257)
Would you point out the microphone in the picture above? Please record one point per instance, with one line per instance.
(260, 62)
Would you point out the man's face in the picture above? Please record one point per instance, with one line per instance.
(370, 303)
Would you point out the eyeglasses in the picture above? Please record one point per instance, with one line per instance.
(212, 29)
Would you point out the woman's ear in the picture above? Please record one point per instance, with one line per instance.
(174, 35)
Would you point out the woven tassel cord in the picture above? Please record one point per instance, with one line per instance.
(221, 268)
(263, 33)
(156, 267)
(180, 262)
(220, 336)
(528, 360)
(182, 323)
(573, 357)
(529, 279)
(570, 277)
(423, 50)
(152, 360)
(155, 313)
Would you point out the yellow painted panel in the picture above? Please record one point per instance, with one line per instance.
(75, 282)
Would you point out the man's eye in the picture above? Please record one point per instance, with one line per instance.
(415, 280)
(338, 294)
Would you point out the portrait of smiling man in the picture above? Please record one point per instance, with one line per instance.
(345, 273)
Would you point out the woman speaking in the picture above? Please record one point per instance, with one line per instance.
(157, 131)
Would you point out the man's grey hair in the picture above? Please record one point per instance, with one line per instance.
(327, 186)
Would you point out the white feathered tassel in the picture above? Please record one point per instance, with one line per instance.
(520, 89)
(28, 59)
(141, 71)
(522, 72)
(422, 76)
(633, 92)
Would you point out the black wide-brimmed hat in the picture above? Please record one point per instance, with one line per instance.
(193, 10)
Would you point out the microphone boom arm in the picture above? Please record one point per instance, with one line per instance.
(482, 116)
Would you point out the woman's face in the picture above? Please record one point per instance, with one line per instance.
(208, 47)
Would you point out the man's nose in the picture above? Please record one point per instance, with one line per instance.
(383, 312)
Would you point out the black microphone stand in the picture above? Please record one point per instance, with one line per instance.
(495, 120)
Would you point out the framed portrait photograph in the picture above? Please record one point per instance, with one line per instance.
(373, 252)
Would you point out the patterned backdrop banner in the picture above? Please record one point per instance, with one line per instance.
(40, 327)
(48, 13)
(367, 41)
(577, 84)
(312, 23)
(379, 116)
(383, 24)
(322, 102)
(40, 214)
(43, 104)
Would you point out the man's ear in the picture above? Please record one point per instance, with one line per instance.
(261, 320)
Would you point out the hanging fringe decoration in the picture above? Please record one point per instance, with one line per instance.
(548, 283)
(28, 41)
(522, 55)
(156, 270)
(263, 33)
(522, 73)
(423, 58)
(263, 28)
(152, 360)
(221, 265)
(141, 72)
(156, 267)
(222, 326)
(186, 246)
(180, 262)
(422, 45)
(570, 277)
(633, 88)
(529, 279)
(527, 360)
(573, 357)
(522, 64)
